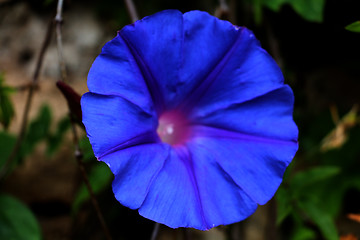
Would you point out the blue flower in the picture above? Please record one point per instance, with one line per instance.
(192, 117)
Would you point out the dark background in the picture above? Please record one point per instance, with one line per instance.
(320, 61)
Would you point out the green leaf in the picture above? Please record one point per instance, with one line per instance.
(54, 140)
(39, 127)
(38, 130)
(7, 143)
(311, 10)
(274, 5)
(85, 146)
(99, 177)
(300, 230)
(16, 221)
(303, 233)
(284, 206)
(321, 218)
(354, 181)
(353, 27)
(312, 176)
(6, 106)
(326, 190)
(257, 11)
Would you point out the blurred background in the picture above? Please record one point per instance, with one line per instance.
(42, 192)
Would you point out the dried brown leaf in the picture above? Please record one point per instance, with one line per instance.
(348, 237)
(355, 217)
(339, 135)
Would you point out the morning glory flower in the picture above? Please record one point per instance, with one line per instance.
(193, 118)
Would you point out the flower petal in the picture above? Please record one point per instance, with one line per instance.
(268, 116)
(135, 168)
(112, 123)
(222, 201)
(173, 199)
(245, 72)
(192, 190)
(170, 49)
(256, 164)
(155, 43)
(115, 72)
(206, 42)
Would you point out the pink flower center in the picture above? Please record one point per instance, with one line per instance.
(173, 128)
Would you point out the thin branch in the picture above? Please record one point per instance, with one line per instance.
(237, 231)
(232, 12)
(78, 153)
(59, 21)
(222, 11)
(273, 44)
(32, 87)
(25, 87)
(186, 234)
(130, 6)
(79, 159)
(155, 231)
(270, 228)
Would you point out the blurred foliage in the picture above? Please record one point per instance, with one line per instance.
(48, 2)
(16, 221)
(100, 177)
(37, 130)
(54, 140)
(85, 146)
(300, 195)
(353, 27)
(40, 130)
(314, 196)
(6, 107)
(310, 10)
(7, 142)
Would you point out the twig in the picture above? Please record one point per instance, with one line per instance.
(25, 87)
(130, 6)
(270, 228)
(186, 234)
(222, 11)
(25, 116)
(273, 44)
(59, 21)
(79, 157)
(232, 12)
(78, 153)
(237, 231)
(155, 231)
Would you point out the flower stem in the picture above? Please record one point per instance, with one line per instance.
(79, 157)
(78, 153)
(59, 21)
(130, 6)
(155, 231)
(270, 228)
